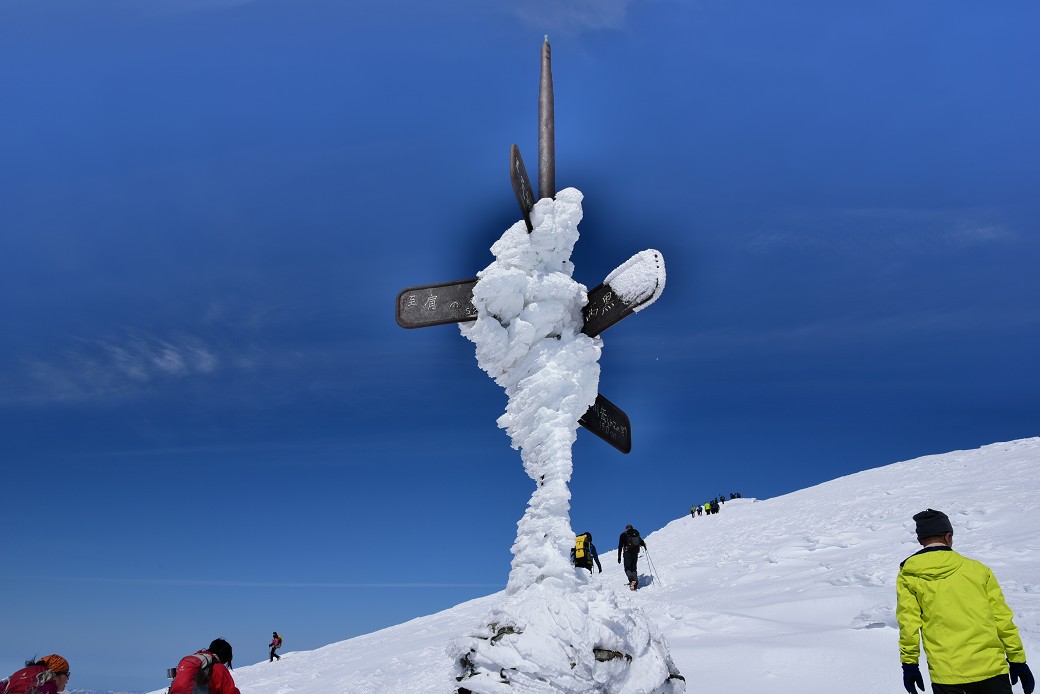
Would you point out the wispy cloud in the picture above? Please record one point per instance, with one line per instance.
(114, 367)
(180, 6)
(852, 330)
(572, 16)
(975, 234)
(853, 230)
(136, 364)
(215, 583)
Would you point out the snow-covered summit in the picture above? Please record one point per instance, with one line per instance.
(785, 595)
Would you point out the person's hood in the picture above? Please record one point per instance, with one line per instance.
(933, 564)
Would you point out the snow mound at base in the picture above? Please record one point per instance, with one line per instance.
(549, 639)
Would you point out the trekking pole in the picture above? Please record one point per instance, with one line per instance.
(657, 579)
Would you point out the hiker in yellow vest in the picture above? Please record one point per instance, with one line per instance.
(583, 553)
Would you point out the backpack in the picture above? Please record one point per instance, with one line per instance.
(193, 673)
(582, 556)
(27, 680)
(278, 641)
(633, 541)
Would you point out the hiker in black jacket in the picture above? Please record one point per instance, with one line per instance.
(629, 544)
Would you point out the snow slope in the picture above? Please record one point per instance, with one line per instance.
(792, 594)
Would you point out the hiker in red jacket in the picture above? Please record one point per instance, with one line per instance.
(208, 666)
(48, 675)
(276, 643)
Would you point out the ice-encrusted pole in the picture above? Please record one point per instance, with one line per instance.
(528, 338)
(556, 631)
(546, 127)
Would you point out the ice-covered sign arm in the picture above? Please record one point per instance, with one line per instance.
(632, 286)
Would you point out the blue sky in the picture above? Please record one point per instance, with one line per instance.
(212, 424)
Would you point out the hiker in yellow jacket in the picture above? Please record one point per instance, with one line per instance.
(955, 606)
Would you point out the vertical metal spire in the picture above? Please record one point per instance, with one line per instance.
(546, 128)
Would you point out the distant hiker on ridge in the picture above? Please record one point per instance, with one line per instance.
(629, 544)
(276, 643)
(48, 675)
(955, 606)
(583, 553)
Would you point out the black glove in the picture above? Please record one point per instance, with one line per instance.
(601, 569)
(1021, 670)
(619, 559)
(912, 676)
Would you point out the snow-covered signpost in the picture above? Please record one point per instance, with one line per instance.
(536, 333)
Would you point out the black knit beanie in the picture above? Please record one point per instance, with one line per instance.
(221, 649)
(932, 523)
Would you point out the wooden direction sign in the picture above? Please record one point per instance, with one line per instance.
(521, 185)
(436, 304)
(452, 302)
(604, 309)
(607, 421)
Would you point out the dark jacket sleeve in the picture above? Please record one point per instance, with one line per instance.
(595, 557)
(621, 543)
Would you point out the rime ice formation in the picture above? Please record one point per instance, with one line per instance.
(556, 631)
(528, 338)
(640, 279)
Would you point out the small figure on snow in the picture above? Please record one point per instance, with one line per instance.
(276, 643)
(583, 553)
(629, 544)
